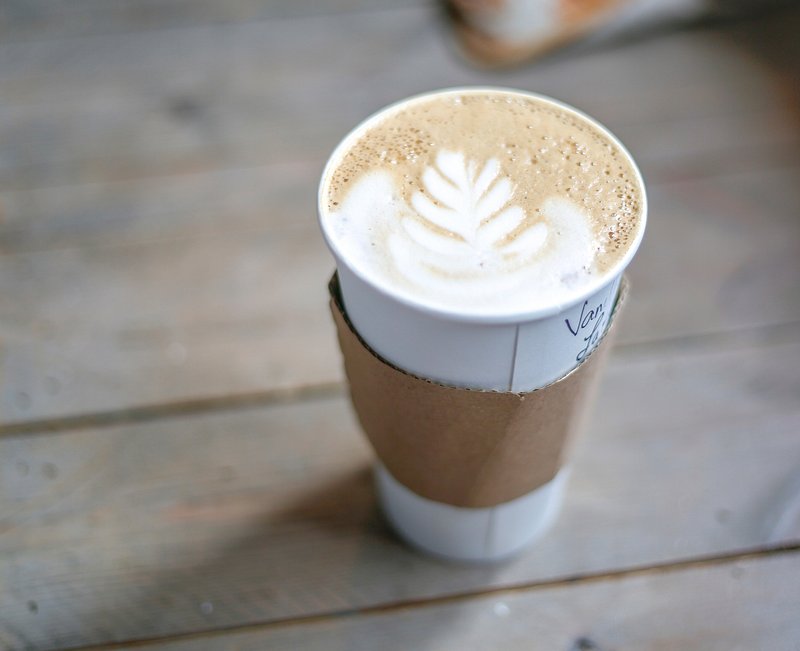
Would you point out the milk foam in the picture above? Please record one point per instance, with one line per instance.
(493, 228)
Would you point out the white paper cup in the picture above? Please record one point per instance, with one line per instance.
(516, 352)
(470, 534)
(500, 356)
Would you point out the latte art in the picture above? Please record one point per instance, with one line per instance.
(470, 215)
(487, 201)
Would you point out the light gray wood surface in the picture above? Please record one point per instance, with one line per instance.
(178, 461)
(269, 514)
(740, 605)
(38, 19)
(242, 95)
(159, 237)
(203, 314)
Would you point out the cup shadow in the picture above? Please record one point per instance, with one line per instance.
(327, 553)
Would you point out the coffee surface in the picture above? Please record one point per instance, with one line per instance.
(481, 201)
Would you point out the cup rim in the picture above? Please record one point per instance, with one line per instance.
(465, 315)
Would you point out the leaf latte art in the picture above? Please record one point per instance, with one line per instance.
(474, 206)
(467, 230)
(473, 202)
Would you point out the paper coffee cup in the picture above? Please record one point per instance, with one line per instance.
(518, 353)
(515, 352)
(465, 474)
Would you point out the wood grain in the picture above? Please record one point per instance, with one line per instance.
(126, 532)
(739, 605)
(155, 312)
(160, 266)
(39, 19)
(158, 244)
(243, 95)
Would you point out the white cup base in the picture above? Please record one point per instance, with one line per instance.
(469, 534)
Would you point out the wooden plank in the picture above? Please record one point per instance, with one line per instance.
(704, 268)
(278, 194)
(158, 292)
(214, 285)
(178, 319)
(38, 19)
(734, 606)
(201, 522)
(279, 197)
(253, 94)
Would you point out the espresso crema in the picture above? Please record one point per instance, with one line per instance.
(481, 201)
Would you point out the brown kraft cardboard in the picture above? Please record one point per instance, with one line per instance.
(465, 447)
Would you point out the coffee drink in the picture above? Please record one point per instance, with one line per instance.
(486, 202)
(480, 237)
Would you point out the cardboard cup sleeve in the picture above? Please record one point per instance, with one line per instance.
(466, 447)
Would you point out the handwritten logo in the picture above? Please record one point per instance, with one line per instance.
(589, 327)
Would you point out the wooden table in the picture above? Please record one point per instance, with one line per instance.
(179, 465)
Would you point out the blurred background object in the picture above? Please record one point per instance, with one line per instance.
(178, 463)
(507, 32)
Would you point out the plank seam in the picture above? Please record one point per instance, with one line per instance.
(145, 413)
(744, 337)
(667, 567)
